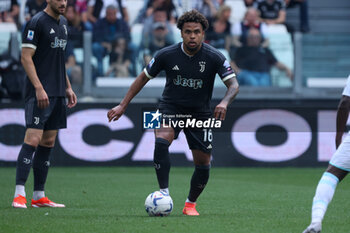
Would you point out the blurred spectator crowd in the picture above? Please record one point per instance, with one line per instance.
(117, 54)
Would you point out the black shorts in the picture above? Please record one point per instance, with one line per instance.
(51, 118)
(197, 138)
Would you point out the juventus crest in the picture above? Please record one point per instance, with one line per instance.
(202, 66)
(65, 29)
(36, 120)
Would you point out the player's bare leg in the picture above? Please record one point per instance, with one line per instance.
(198, 182)
(164, 137)
(24, 163)
(323, 196)
(339, 173)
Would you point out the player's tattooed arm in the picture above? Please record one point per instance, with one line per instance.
(342, 117)
(116, 112)
(28, 64)
(232, 91)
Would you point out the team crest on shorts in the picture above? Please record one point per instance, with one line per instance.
(30, 35)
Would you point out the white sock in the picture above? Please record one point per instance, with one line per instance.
(190, 201)
(20, 191)
(323, 196)
(38, 194)
(166, 190)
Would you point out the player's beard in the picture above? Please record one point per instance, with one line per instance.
(57, 11)
(192, 49)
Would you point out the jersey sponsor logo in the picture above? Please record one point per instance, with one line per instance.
(193, 83)
(36, 120)
(175, 68)
(202, 66)
(151, 120)
(30, 35)
(52, 31)
(59, 43)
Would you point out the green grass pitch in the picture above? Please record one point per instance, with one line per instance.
(111, 199)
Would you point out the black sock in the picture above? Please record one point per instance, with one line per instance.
(162, 162)
(199, 180)
(41, 165)
(24, 163)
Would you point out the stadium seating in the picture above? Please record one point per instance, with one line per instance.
(325, 51)
(5, 33)
(282, 47)
(238, 10)
(326, 56)
(325, 16)
(134, 7)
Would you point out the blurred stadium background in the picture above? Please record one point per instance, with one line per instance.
(288, 124)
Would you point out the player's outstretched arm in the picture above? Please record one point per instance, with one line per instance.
(116, 112)
(232, 91)
(72, 98)
(28, 65)
(342, 117)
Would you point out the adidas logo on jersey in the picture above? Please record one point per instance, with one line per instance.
(209, 147)
(52, 31)
(175, 68)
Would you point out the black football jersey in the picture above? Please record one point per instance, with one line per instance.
(269, 10)
(49, 39)
(189, 79)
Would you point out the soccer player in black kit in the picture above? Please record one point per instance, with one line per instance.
(190, 68)
(43, 47)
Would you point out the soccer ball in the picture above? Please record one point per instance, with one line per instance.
(158, 204)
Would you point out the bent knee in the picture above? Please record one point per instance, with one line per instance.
(167, 134)
(202, 163)
(33, 137)
(48, 142)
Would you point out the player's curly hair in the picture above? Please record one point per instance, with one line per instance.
(192, 16)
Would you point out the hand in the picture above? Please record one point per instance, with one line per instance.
(289, 74)
(220, 111)
(115, 113)
(72, 98)
(42, 98)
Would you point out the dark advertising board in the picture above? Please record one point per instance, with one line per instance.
(255, 133)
